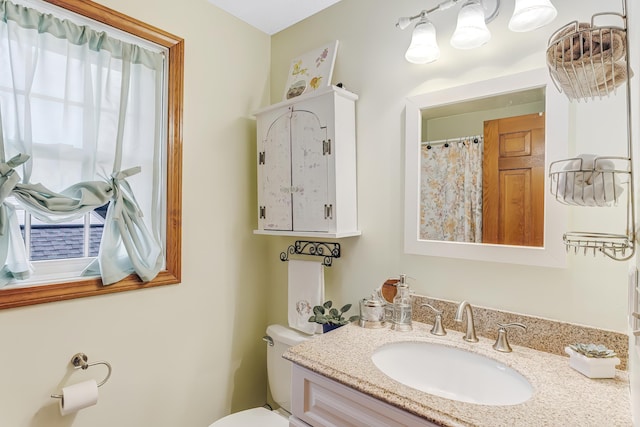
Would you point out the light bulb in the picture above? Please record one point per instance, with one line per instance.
(531, 14)
(424, 46)
(471, 30)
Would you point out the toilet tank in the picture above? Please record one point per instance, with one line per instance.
(279, 369)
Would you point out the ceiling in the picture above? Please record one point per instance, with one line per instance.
(271, 16)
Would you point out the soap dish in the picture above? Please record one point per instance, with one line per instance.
(592, 367)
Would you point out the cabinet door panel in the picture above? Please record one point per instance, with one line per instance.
(276, 178)
(322, 402)
(308, 172)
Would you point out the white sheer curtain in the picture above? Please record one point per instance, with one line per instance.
(451, 191)
(80, 115)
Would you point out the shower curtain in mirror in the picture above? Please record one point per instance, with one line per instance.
(451, 191)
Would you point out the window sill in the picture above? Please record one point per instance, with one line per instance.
(56, 271)
(53, 283)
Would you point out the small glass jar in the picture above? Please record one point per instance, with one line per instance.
(372, 313)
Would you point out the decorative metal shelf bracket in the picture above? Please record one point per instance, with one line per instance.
(328, 250)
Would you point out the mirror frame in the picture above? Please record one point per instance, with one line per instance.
(552, 253)
(79, 288)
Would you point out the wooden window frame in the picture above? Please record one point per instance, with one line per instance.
(79, 288)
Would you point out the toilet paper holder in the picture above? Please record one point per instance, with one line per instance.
(80, 361)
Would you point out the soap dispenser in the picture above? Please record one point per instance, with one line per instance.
(402, 307)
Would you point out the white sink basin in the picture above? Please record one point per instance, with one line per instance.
(452, 373)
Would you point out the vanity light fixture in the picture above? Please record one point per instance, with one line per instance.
(471, 29)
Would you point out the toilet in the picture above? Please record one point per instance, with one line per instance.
(279, 338)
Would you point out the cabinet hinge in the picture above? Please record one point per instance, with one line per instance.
(328, 211)
(262, 212)
(261, 158)
(326, 147)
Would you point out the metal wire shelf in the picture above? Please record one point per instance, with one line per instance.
(589, 62)
(616, 246)
(590, 180)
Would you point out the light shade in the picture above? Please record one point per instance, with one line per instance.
(424, 46)
(531, 14)
(403, 22)
(471, 31)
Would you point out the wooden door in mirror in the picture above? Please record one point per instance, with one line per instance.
(513, 181)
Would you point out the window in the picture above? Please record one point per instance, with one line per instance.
(83, 232)
(78, 238)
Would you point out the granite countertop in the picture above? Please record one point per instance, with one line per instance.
(561, 397)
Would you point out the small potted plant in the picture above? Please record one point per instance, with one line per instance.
(329, 317)
(593, 361)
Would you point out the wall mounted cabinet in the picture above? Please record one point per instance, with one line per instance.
(306, 159)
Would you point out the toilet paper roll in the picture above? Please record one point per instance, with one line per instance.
(78, 396)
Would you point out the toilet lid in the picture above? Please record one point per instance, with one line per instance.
(259, 417)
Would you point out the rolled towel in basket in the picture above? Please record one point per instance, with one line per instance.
(591, 81)
(584, 43)
(588, 61)
(589, 181)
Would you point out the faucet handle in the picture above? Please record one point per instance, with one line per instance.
(437, 329)
(502, 343)
(435, 310)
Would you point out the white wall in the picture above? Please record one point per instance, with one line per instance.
(370, 62)
(468, 124)
(187, 354)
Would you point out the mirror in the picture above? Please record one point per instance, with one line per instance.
(526, 89)
(482, 170)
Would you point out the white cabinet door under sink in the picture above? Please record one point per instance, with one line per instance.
(306, 166)
(318, 401)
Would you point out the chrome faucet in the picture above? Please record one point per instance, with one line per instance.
(470, 334)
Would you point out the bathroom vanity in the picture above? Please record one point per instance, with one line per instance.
(335, 382)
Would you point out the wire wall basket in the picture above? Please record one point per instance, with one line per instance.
(586, 61)
(589, 180)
